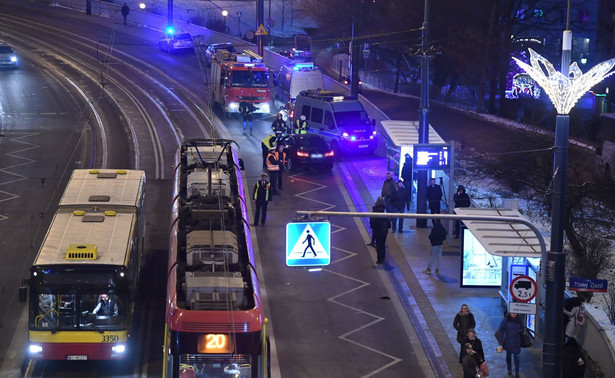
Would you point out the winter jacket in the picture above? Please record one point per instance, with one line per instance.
(398, 198)
(462, 324)
(477, 346)
(388, 188)
(437, 237)
(509, 334)
(379, 224)
(461, 199)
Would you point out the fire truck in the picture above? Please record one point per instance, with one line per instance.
(237, 77)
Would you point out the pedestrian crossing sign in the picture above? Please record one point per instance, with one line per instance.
(308, 244)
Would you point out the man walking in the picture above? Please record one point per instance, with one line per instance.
(246, 109)
(462, 199)
(388, 188)
(437, 237)
(434, 196)
(125, 10)
(261, 197)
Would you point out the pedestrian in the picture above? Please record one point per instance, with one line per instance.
(464, 320)
(397, 205)
(373, 242)
(282, 159)
(380, 227)
(406, 175)
(477, 346)
(509, 336)
(574, 314)
(434, 196)
(125, 10)
(574, 363)
(301, 125)
(246, 109)
(469, 364)
(273, 168)
(437, 237)
(262, 197)
(388, 187)
(462, 199)
(269, 142)
(279, 126)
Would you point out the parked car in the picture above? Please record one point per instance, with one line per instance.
(308, 151)
(8, 58)
(214, 47)
(172, 42)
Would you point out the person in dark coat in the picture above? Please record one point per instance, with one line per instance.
(573, 361)
(477, 346)
(380, 227)
(246, 109)
(279, 126)
(397, 205)
(462, 199)
(509, 336)
(388, 187)
(469, 363)
(262, 197)
(406, 175)
(464, 320)
(436, 237)
(125, 10)
(434, 196)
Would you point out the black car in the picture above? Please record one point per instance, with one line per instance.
(346, 81)
(308, 151)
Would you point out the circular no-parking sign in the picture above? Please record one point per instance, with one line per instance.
(523, 288)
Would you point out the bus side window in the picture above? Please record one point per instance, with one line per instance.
(329, 120)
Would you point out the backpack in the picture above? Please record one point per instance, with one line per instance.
(580, 318)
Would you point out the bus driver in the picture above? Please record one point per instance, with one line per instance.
(105, 306)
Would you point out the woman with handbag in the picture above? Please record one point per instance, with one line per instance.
(509, 336)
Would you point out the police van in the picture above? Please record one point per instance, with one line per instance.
(294, 78)
(339, 118)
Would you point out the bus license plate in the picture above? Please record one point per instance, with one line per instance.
(363, 146)
(79, 357)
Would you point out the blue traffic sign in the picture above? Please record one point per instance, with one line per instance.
(308, 243)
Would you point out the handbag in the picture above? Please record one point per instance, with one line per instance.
(526, 341)
(484, 369)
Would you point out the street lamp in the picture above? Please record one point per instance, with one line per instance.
(564, 89)
(224, 14)
(239, 24)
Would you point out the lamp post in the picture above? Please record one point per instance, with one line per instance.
(564, 89)
(224, 14)
(239, 24)
(421, 191)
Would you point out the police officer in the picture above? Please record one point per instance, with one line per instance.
(268, 143)
(262, 198)
(301, 126)
(279, 126)
(273, 168)
(281, 156)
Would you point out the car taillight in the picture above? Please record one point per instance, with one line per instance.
(302, 154)
(329, 154)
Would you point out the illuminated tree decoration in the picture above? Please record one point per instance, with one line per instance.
(564, 91)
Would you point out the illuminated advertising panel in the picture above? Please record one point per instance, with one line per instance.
(479, 268)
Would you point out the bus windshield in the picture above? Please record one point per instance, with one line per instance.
(250, 79)
(78, 311)
(352, 118)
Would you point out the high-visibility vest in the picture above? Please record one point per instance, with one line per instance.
(272, 167)
(270, 141)
(258, 185)
(301, 127)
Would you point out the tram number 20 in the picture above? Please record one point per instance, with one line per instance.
(214, 343)
(110, 338)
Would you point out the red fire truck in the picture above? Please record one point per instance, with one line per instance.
(236, 77)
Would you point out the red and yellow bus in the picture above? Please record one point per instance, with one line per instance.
(215, 324)
(83, 281)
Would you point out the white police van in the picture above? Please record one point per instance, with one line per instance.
(339, 118)
(294, 78)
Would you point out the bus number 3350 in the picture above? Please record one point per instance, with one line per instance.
(110, 338)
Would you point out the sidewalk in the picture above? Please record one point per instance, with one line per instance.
(432, 301)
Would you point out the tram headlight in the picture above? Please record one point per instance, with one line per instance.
(35, 349)
(119, 349)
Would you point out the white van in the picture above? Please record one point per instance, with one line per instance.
(294, 78)
(340, 119)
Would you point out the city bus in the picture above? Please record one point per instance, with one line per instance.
(83, 281)
(215, 323)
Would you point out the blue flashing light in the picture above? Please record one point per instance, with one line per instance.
(170, 30)
(353, 138)
(303, 66)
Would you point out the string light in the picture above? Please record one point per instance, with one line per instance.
(564, 91)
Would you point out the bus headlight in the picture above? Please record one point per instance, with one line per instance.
(119, 349)
(35, 349)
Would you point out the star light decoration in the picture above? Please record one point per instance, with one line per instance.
(564, 91)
